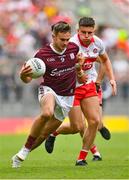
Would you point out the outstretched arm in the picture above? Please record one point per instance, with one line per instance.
(109, 72)
(101, 72)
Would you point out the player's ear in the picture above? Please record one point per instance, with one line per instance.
(95, 29)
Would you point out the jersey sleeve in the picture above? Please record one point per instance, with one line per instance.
(39, 55)
(102, 48)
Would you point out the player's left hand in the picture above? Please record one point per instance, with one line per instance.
(114, 87)
(80, 58)
(82, 79)
(98, 86)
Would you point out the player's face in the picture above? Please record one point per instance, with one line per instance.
(86, 33)
(61, 40)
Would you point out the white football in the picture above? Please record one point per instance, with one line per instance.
(38, 67)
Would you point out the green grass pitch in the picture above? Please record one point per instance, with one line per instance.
(61, 163)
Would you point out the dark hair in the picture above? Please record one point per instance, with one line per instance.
(87, 22)
(60, 26)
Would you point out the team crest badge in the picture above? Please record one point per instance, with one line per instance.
(72, 56)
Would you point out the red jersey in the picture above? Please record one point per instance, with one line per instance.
(60, 69)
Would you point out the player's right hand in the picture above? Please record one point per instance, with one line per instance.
(114, 87)
(26, 73)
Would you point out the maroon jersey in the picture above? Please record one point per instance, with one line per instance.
(60, 69)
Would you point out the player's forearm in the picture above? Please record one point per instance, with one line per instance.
(101, 73)
(81, 76)
(108, 69)
(108, 66)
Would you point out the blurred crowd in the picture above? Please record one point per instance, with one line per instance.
(25, 26)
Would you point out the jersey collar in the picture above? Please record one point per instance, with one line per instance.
(57, 52)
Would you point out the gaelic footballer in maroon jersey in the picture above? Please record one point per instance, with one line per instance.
(60, 69)
(56, 92)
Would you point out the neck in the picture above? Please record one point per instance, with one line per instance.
(56, 48)
(86, 42)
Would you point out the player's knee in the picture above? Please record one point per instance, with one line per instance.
(47, 113)
(94, 121)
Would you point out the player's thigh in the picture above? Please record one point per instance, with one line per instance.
(76, 117)
(91, 109)
(47, 103)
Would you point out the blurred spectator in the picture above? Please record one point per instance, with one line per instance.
(6, 80)
(121, 69)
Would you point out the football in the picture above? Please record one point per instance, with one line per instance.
(38, 67)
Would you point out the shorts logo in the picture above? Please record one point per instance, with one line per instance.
(41, 90)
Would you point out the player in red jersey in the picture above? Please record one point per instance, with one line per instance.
(86, 95)
(77, 123)
(86, 99)
(56, 92)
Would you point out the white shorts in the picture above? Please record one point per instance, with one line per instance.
(63, 103)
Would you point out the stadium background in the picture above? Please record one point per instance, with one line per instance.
(25, 26)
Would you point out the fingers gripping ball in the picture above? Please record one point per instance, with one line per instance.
(38, 67)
